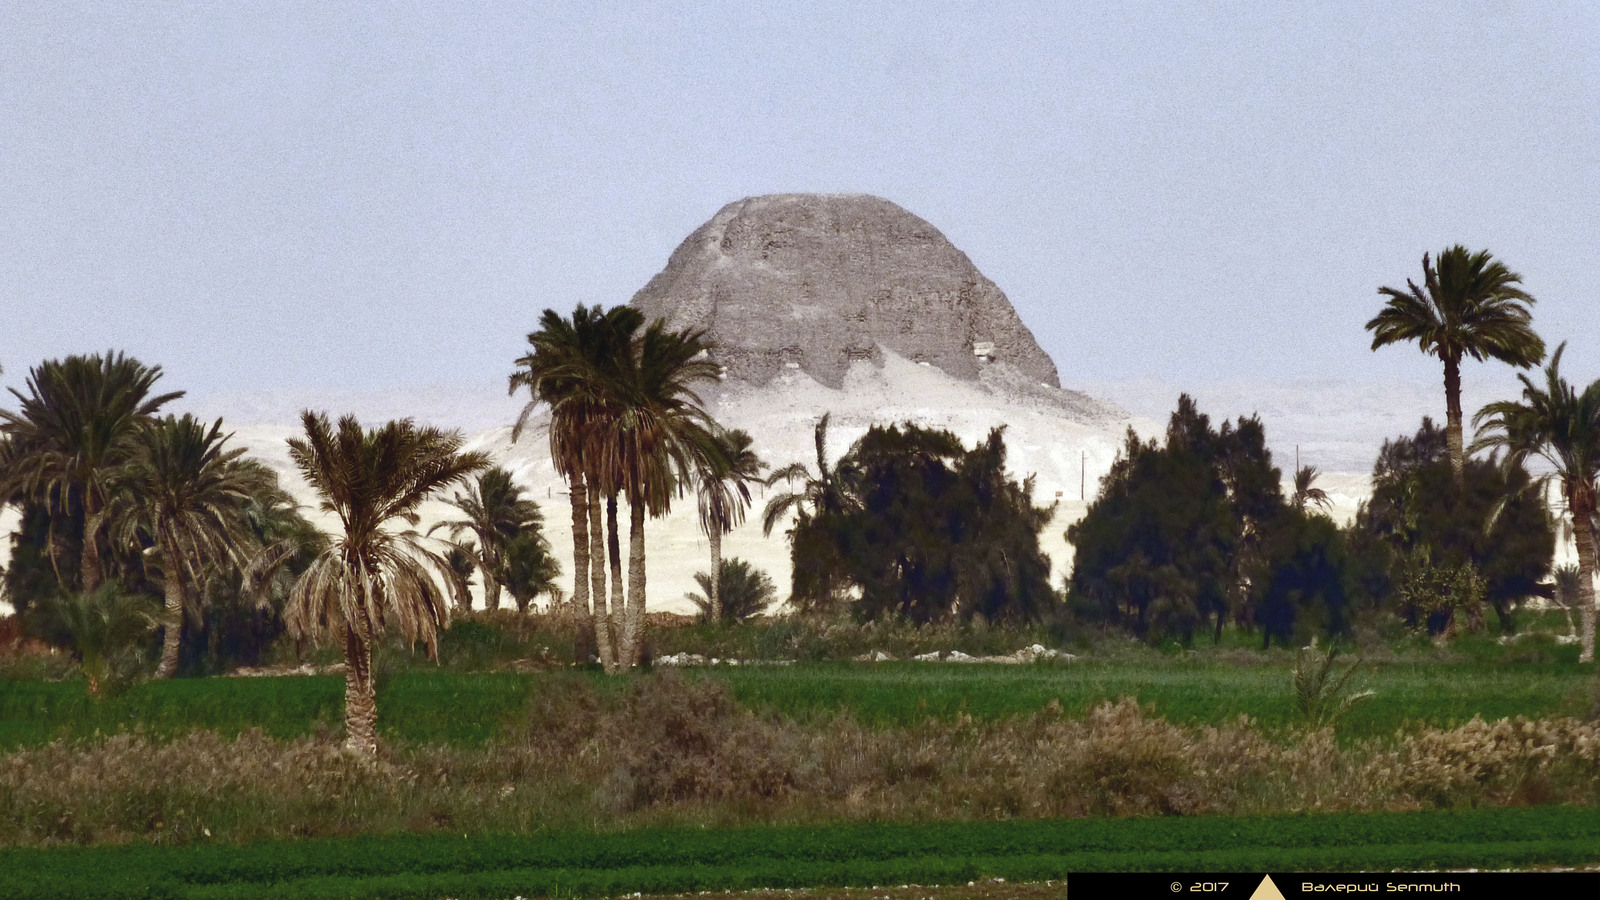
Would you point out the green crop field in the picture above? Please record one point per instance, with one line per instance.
(680, 860)
(467, 708)
(1440, 694)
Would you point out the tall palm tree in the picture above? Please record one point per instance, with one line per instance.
(188, 495)
(1560, 425)
(572, 369)
(661, 437)
(723, 485)
(1469, 305)
(75, 426)
(371, 575)
(495, 511)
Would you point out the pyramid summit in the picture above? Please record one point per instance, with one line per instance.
(817, 282)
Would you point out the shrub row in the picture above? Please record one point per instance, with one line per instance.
(680, 860)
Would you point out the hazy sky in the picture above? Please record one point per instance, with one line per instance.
(276, 196)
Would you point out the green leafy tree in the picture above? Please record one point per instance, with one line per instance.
(1303, 589)
(74, 428)
(746, 592)
(186, 495)
(372, 576)
(723, 483)
(917, 525)
(1469, 305)
(1445, 547)
(1559, 424)
(1180, 532)
(495, 511)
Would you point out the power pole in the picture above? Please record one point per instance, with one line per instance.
(1083, 473)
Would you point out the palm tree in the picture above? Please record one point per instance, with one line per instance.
(189, 496)
(822, 498)
(1562, 426)
(495, 511)
(101, 629)
(661, 437)
(1306, 491)
(826, 492)
(571, 369)
(372, 576)
(746, 592)
(1469, 305)
(74, 428)
(531, 569)
(724, 489)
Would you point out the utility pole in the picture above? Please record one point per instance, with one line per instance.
(1083, 473)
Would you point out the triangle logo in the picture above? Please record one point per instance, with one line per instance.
(1267, 890)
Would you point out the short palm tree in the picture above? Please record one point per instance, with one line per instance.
(723, 485)
(746, 592)
(372, 576)
(531, 569)
(187, 494)
(74, 428)
(101, 629)
(1469, 305)
(1560, 425)
(1306, 490)
(494, 510)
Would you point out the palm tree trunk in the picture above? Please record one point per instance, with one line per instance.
(1583, 532)
(633, 625)
(90, 570)
(1452, 413)
(614, 554)
(360, 695)
(597, 583)
(716, 572)
(491, 590)
(172, 613)
(580, 547)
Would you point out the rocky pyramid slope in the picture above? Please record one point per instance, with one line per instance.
(816, 282)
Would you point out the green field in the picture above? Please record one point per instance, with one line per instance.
(682, 860)
(468, 708)
(1439, 694)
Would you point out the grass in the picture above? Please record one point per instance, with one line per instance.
(413, 707)
(661, 860)
(422, 705)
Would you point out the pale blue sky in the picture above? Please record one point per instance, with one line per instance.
(275, 196)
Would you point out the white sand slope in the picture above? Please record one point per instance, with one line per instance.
(1063, 438)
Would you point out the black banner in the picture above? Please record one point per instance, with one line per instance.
(1288, 886)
